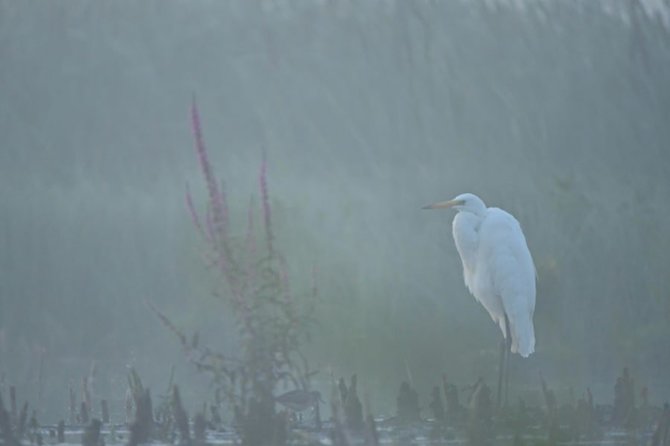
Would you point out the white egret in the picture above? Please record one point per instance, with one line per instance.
(498, 270)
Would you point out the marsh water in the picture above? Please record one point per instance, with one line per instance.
(417, 435)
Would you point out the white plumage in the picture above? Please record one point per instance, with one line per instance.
(497, 266)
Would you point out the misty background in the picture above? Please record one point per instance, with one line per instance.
(557, 111)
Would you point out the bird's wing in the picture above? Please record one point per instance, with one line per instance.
(507, 264)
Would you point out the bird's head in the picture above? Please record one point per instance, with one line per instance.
(463, 203)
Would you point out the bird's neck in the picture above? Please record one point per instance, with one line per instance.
(466, 236)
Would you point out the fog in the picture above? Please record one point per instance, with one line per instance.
(556, 111)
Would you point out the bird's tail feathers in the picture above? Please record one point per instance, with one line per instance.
(523, 336)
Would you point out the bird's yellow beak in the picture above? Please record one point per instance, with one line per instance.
(444, 204)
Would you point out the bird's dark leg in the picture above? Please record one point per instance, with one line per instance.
(503, 347)
(503, 370)
(508, 351)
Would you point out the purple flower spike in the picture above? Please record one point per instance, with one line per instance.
(217, 200)
(266, 205)
(250, 243)
(216, 197)
(209, 224)
(193, 212)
